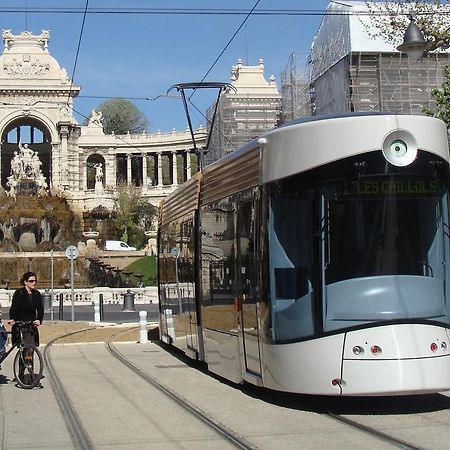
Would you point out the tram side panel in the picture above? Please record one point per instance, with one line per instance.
(226, 184)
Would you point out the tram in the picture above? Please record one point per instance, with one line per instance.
(316, 259)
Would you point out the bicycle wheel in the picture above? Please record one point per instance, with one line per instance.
(28, 366)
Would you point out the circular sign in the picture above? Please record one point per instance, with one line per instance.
(72, 252)
(174, 252)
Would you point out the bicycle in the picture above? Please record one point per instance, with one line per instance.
(28, 363)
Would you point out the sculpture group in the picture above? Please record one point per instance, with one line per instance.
(26, 166)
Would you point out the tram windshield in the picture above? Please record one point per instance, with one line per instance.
(369, 242)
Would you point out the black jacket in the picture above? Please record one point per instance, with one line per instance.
(23, 309)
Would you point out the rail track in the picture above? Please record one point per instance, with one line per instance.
(396, 442)
(80, 437)
(378, 431)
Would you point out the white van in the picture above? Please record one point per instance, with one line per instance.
(118, 245)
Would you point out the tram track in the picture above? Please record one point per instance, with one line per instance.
(74, 422)
(399, 443)
(377, 430)
(412, 411)
(234, 438)
(79, 435)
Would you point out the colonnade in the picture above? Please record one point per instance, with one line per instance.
(158, 167)
(153, 169)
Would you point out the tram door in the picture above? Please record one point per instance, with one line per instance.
(248, 314)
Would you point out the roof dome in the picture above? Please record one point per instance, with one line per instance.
(26, 57)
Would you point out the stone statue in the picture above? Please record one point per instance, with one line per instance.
(96, 118)
(16, 166)
(25, 167)
(64, 112)
(98, 173)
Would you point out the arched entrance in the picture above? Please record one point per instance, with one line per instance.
(32, 134)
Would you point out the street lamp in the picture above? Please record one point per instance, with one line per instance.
(414, 44)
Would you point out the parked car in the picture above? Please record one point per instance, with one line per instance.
(118, 245)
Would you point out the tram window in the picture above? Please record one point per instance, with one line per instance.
(291, 263)
(386, 245)
(290, 283)
(218, 265)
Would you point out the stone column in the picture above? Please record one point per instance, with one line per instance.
(188, 165)
(75, 158)
(174, 168)
(110, 169)
(83, 165)
(64, 163)
(55, 172)
(160, 171)
(144, 170)
(129, 179)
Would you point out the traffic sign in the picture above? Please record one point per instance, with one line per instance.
(72, 252)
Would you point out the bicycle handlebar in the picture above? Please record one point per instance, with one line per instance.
(23, 323)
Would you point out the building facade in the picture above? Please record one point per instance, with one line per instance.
(245, 112)
(44, 151)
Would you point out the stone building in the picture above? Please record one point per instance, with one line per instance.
(44, 151)
(244, 113)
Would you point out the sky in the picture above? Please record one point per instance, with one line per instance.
(139, 56)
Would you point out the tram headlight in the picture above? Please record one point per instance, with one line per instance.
(443, 346)
(358, 350)
(400, 148)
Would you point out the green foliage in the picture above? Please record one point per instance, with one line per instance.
(122, 116)
(442, 99)
(133, 215)
(391, 20)
(145, 266)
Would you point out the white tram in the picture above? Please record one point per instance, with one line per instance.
(316, 259)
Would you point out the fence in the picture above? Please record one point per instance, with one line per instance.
(86, 296)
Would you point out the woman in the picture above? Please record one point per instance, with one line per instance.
(27, 306)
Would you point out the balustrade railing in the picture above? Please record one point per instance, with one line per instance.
(85, 296)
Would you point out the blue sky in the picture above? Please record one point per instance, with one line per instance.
(143, 55)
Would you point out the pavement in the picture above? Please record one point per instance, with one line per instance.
(120, 410)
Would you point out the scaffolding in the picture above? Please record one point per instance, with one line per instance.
(244, 114)
(295, 91)
(388, 82)
(354, 69)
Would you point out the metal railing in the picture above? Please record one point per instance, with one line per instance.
(142, 295)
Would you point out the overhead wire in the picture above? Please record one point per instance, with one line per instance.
(214, 63)
(229, 141)
(117, 136)
(182, 11)
(228, 43)
(78, 52)
(201, 11)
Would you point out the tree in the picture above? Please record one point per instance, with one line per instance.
(122, 116)
(133, 214)
(442, 99)
(391, 20)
